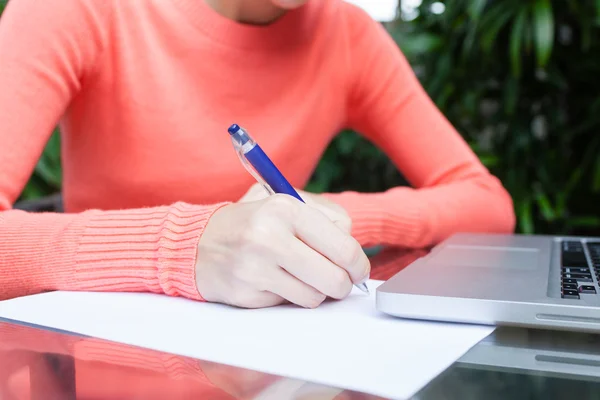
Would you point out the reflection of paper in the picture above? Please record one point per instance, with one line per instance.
(379, 10)
(345, 344)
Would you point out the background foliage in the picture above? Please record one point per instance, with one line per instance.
(519, 79)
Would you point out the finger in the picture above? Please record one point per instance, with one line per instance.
(255, 193)
(318, 232)
(256, 300)
(336, 213)
(293, 290)
(314, 269)
(340, 219)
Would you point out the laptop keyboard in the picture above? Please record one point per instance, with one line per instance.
(576, 271)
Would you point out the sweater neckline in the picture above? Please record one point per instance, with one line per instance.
(294, 27)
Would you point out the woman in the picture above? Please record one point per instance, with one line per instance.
(144, 92)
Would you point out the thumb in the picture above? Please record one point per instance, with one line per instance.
(255, 193)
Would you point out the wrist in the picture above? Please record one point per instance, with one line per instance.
(212, 250)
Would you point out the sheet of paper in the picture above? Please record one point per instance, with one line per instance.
(379, 10)
(346, 344)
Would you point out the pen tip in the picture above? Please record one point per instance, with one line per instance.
(363, 287)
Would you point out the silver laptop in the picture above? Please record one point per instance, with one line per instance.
(503, 280)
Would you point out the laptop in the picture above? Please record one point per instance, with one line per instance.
(503, 280)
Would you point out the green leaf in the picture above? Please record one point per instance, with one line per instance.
(49, 172)
(544, 205)
(52, 150)
(511, 95)
(584, 222)
(573, 180)
(448, 90)
(525, 217)
(494, 21)
(315, 186)
(543, 21)
(561, 203)
(346, 143)
(596, 179)
(444, 67)
(516, 41)
(489, 161)
(528, 38)
(32, 191)
(476, 8)
(49, 167)
(586, 35)
(421, 43)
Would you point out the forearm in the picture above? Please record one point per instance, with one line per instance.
(142, 250)
(420, 218)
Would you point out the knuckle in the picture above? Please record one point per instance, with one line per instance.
(282, 205)
(341, 211)
(350, 252)
(346, 223)
(340, 284)
(280, 201)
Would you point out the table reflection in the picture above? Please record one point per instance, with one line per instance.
(37, 363)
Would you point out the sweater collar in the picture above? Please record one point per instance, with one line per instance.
(294, 27)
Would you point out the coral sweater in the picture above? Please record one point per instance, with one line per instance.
(144, 92)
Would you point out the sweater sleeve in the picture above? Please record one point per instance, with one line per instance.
(451, 191)
(47, 48)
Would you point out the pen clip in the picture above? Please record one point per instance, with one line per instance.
(240, 153)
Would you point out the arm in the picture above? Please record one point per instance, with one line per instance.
(452, 191)
(47, 48)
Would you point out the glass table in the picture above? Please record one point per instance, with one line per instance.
(512, 363)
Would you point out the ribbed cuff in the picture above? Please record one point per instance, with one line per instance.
(393, 218)
(150, 250)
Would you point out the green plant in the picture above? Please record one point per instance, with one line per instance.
(47, 175)
(519, 79)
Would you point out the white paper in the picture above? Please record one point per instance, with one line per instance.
(346, 344)
(379, 10)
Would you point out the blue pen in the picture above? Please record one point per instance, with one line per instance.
(260, 166)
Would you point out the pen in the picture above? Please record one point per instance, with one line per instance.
(260, 166)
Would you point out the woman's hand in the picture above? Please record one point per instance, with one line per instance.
(262, 253)
(336, 213)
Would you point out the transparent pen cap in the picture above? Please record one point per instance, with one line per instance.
(243, 143)
(240, 137)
